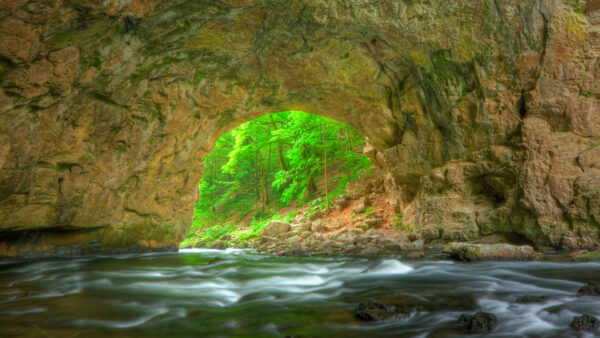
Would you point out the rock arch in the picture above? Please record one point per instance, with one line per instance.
(482, 114)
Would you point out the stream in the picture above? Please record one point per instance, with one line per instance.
(225, 293)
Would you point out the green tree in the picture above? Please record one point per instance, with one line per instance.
(275, 160)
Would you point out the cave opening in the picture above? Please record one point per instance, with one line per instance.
(274, 167)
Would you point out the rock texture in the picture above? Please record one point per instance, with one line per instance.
(479, 322)
(483, 116)
(481, 252)
(276, 228)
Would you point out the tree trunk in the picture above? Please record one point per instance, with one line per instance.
(325, 156)
(262, 186)
(347, 150)
(268, 175)
(279, 148)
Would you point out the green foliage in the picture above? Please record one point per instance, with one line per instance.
(398, 223)
(368, 212)
(576, 4)
(271, 162)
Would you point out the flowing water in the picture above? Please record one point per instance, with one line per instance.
(211, 293)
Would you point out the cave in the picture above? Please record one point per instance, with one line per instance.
(108, 109)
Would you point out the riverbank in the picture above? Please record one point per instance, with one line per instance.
(364, 228)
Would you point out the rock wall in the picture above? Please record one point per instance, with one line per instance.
(483, 115)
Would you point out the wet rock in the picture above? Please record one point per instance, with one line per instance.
(414, 255)
(477, 252)
(531, 299)
(412, 246)
(370, 250)
(393, 247)
(373, 311)
(590, 289)
(461, 302)
(586, 256)
(478, 323)
(276, 228)
(585, 323)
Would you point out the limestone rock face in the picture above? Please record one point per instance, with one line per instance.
(482, 116)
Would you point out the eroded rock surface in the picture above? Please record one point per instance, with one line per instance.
(481, 252)
(481, 115)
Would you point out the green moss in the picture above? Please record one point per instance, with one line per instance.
(576, 4)
(467, 254)
(588, 257)
(90, 36)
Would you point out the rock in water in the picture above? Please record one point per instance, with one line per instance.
(276, 228)
(373, 311)
(590, 289)
(585, 323)
(531, 299)
(479, 322)
(478, 252)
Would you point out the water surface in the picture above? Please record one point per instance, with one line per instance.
(212, 293)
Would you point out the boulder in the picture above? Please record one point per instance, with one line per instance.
(590, 289)
(318, 226)
(276, 228)
(478, 323)
(361, 205)
(362, 226)
(477, 252)
(337, 224)
(316, 215)
(299, 219)
(374, 223)
(373, 311)
(531, 299)
(340, 202)
(304, 226)
(585, 323)
(356, 232)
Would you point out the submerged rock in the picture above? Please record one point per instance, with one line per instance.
(590, 289)
(373, 311)
(477, 252)
(531, 299)
(276, 228)
(585, 323)
(479, 322)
